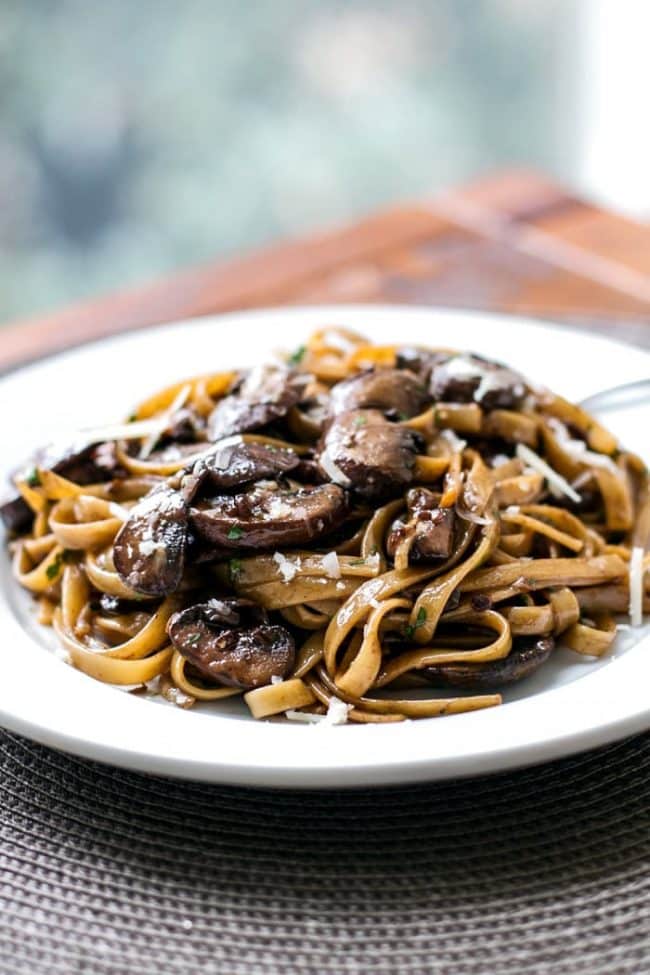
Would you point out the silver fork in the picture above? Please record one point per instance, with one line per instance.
(627, 394)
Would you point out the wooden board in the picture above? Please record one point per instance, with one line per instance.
(514, 242)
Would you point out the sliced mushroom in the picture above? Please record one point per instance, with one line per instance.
(470, 378)
(231, 641)
(267, 394)
(526, 656)
(149, 551)
(398, 393)
(418, 361)
(266, 517)
(432, 527)
(16, 514)
(232, 463)
(90, 464)
(363, 450)
(186, 426)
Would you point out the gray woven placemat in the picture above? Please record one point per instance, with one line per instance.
(546, 870)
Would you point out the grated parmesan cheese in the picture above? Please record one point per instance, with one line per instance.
(149, 546)
(636, 586)
(337, 713)
(454, 442)
(331, 567)
(578, 448)
(334, 473)
(306, 717)
(287, 569)
(555, 480)
(278, 508)
(163, 421)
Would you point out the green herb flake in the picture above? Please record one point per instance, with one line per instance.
(420, 620)
(235, 533)
(193, 638)
(402, 416)
(33, 478)
(296, 357)
(357, 562)
(53, 570)
(132, 418)
(234, 569)
(360, 421)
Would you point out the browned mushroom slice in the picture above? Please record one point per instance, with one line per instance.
(396, 392)
(90, 464)
(267, 394)
(470, 378)
(185, 426)
(431, 526)
(231, 641)
(418, 360)
(525, 657)
(232, 463)
(16, 514)
(363, 450)
(149, 551)
(263, 518)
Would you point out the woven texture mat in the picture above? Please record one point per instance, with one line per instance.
(545, 870)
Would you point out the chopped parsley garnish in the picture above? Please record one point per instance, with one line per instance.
(33, 478)
(357, 562)
(296, 357)
(193, 638)
(133, 418)
(234, 569)
(401, 415)
(360, 421)
(420, 620)
(235, 533)
(53, 570)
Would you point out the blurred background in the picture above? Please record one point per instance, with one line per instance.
(137, 137)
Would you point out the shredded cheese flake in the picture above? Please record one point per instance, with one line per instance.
(287, 569)
(454, 442)
(578, 448)
(554, 479)
(306, 717)
(337, 713)
(163, 421)
(334, 473)
(331, 567)
(148, 546)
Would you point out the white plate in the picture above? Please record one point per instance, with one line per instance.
(570, 704)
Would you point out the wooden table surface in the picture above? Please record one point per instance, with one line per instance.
(513, 242)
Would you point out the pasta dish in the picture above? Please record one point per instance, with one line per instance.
(352, 532)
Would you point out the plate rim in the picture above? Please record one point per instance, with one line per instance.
(296, 775)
